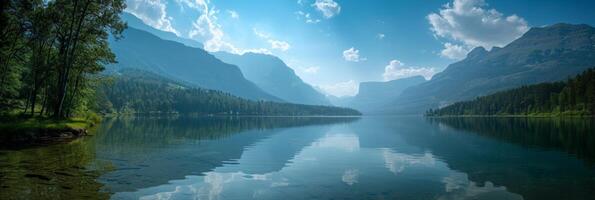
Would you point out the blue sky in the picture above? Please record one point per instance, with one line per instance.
(335, 44)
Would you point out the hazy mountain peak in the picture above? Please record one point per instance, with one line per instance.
(272, 75)
(373, 93)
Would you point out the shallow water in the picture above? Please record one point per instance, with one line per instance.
(312, 158)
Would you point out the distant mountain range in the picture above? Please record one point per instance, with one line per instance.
(543, 54)
(381, 93)
(139, 91)
(273, 76)
(194, 66)
(274, 79)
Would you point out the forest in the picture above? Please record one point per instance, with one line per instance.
(53, 55)
(576, 96)
(131, 91)
(50, 52)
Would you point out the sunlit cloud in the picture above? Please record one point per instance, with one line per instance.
(455, 52)
(328, 8)
(352, 55)
(207, 28)
(473, 24)
(152, 13)
(396, 70)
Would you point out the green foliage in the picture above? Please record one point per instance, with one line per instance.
(50, 50)
(135, 91)
(575, 97)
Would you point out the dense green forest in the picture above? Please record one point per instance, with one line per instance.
(50, 50)
(136, 91)
(576, 96)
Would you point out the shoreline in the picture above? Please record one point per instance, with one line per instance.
(34, 132)
(513, 116)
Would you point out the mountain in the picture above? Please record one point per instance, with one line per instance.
(137, 23)
(137, 91)
(543, 54)
(381, 93)
(575, 96)
(273, 76)
(194, 66)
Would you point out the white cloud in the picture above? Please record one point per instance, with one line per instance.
(381, 36)
(275, 44)
(396, 70)
(152, 13)
(471, 23)
(453, 51)
(341, 89)
(328, 8)
(233, 14)
(352, 55)
(207, 28)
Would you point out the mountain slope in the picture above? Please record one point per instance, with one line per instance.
(545, 54)
(381, 93)
(273, 76)
(137, 91)
(573, 97)
(137, 23)
(142, 50)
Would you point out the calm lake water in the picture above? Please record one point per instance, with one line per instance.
(312, 158)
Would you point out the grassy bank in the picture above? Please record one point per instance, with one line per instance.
(22, 131)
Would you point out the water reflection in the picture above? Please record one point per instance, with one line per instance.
(327, 158)
(152, 151)
(330, 162)
(573, 135)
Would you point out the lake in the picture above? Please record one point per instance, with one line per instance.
(311, 158)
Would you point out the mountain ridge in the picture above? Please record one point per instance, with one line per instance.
(143, 50)
(543, 54)
(272, 75)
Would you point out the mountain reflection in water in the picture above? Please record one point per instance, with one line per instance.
(335, 158)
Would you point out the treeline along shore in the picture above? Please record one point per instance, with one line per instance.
(574, 97)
